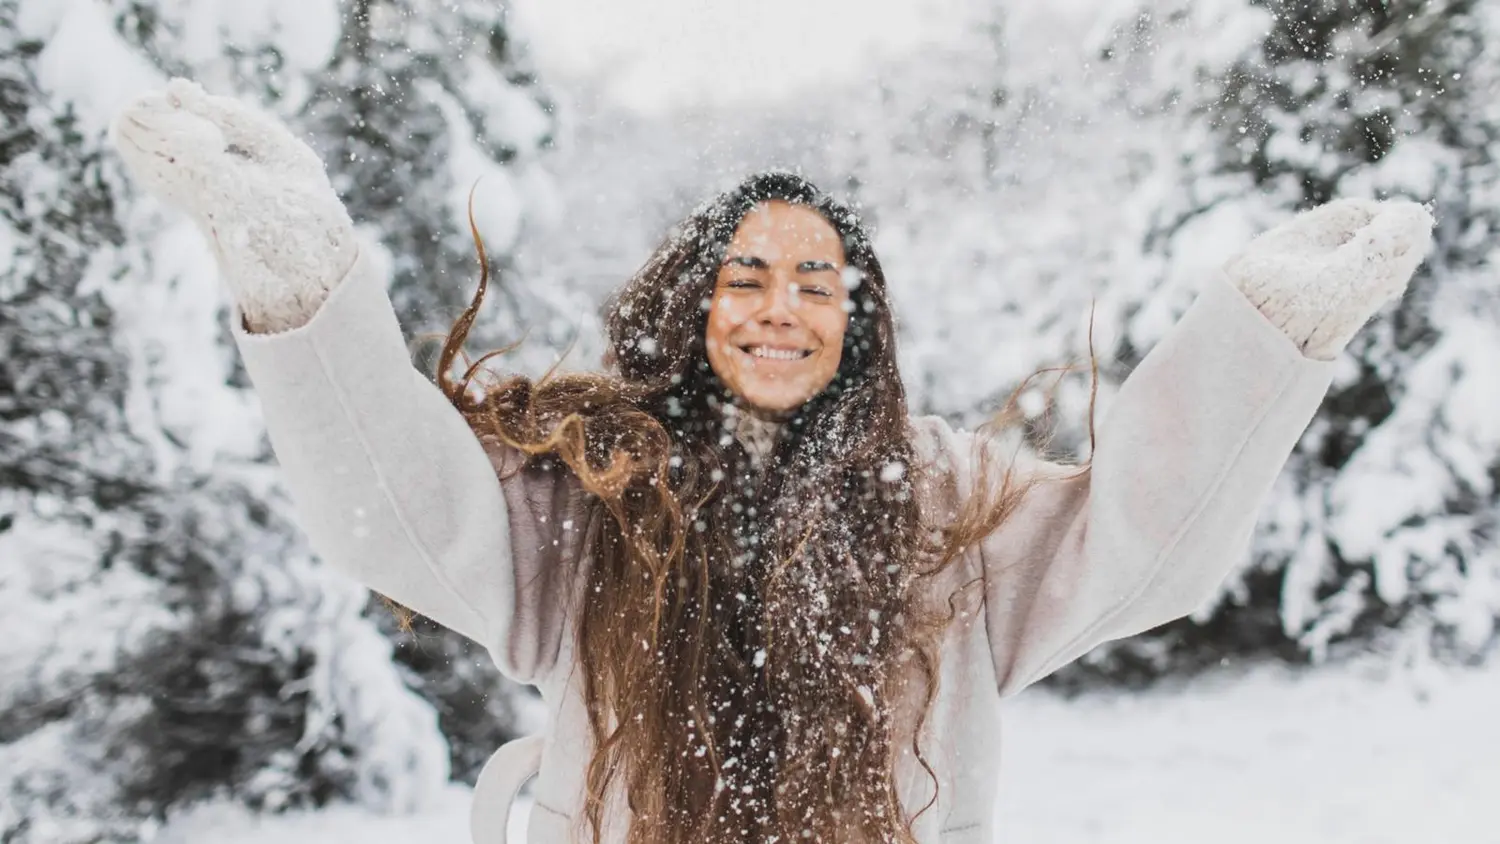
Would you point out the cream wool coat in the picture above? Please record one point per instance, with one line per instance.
(394, 489)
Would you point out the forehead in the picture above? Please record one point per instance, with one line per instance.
(776, 229)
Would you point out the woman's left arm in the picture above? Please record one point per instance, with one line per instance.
(1192, 444)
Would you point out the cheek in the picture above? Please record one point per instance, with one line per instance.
(831, 333)
(721, 322)
(730, 311)
(720, 325)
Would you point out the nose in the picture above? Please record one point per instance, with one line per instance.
(779, 305)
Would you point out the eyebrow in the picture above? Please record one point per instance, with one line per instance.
(758, 263)
(816, 267)
(750, 261)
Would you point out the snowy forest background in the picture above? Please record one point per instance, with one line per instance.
(167, 638)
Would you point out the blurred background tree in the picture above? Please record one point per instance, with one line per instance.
(1383, 532)
(168, 636)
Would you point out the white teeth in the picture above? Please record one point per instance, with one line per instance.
(776, 354)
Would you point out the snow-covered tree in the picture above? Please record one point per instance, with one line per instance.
(167, 635)
(1384, 529)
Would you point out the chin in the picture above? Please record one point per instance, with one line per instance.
(775, 400)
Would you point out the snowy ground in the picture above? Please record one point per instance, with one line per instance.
(1340, 756)
(1332, 758)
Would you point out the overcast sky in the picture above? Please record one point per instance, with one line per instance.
(655, 54)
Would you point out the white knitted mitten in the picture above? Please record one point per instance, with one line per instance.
(282, 237)
(1321, 275)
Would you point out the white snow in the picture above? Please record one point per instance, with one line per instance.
(447, 821)
(305, 31)
(84, 63)
(496, 203)
(655, 55)
(1331, 758)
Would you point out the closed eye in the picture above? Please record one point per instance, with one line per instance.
(821, 292)
(744, 284)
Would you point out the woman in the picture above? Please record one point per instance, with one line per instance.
(760, 602)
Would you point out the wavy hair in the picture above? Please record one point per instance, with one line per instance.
(749, 633)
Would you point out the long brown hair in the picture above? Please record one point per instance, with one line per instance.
(747, 630)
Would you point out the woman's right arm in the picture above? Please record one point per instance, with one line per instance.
(393, 488)
(390, 484)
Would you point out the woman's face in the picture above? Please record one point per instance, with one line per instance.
(776, 322)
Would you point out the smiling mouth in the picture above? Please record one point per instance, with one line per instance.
(769, 353)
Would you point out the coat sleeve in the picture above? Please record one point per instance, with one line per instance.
(1183, 462)
(393, 488)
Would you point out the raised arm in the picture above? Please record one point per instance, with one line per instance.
(390, 484)
(1192, 443)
